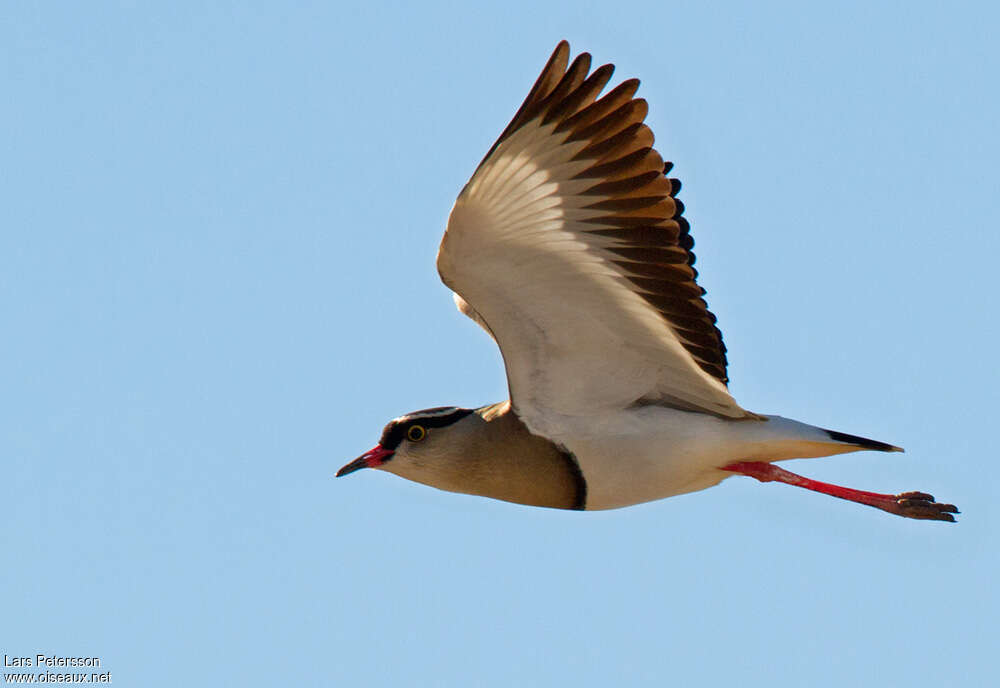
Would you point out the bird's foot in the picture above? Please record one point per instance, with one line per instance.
(920, 505)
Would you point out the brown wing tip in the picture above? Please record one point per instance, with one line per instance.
(559, 56)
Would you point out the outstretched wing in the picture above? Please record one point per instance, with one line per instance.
(568, 247)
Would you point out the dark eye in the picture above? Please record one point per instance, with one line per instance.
(416, 433)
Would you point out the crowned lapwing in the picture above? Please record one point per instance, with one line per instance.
(568, 246)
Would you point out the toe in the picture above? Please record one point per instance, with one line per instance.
(922, 506)
(916, 495)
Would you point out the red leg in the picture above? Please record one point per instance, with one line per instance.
(908, 504)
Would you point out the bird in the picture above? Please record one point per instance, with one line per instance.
(569, 247)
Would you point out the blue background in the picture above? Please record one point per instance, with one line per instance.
(218, 223)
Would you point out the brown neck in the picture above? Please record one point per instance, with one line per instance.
(492, 454)
(525, 468)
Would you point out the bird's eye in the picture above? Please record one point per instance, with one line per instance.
(416, 433)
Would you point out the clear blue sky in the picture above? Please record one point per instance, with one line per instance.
(217, 230)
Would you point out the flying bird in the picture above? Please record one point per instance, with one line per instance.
(569, 247)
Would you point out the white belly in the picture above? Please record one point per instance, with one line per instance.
(653, 452)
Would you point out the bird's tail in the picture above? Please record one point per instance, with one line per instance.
(779, 439)
(861, 442)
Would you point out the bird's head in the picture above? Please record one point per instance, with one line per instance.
(411, 442)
